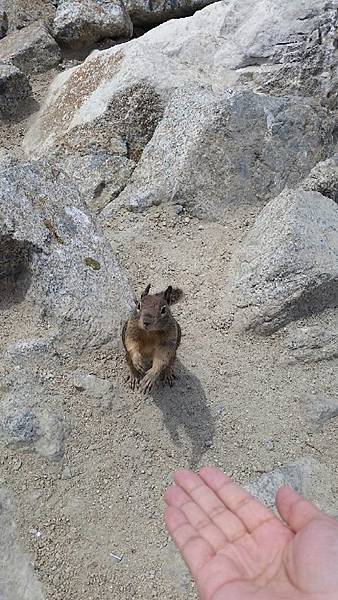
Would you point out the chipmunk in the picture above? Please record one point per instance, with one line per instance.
(151, 337)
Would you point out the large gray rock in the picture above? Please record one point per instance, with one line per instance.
(31, 406)
(22, 13)
(32, 49)
(62, 296)
(323, 178)
(211, 152)
(102, 90)
(312, 343)
(287, 266)
(58, 258)
(81, 23)
(23, 423)
(15, 91)
(3, 23)
(18, 580)
(210, 48)
(123, 129)
(148, 12)
(332, 94)
(307, 476)
(321, 409)
(296, 56)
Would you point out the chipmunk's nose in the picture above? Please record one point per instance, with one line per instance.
(147, 321)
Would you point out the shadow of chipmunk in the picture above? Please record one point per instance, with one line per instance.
(184, 406)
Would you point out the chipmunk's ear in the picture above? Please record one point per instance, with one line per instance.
(146, 291)
(167, 294)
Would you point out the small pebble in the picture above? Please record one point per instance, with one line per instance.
(17, 464)
(178, 209)
(66, 473)
(270, 445)
(35, 532)
(116, 558)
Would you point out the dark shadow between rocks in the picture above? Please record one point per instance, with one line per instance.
(184, 407)
(15, 274)
(311, 302)
(27, 108)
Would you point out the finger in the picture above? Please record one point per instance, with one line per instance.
(195, 550)
(211, 504)
(295, 510)
(246, 509)
(201, 522)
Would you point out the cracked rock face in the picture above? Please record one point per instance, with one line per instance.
(124, 128)
(285, 48)
(306, 62)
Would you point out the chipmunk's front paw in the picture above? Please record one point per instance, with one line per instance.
(138, 363)
(133, 380)
(147, 383)
(168, 377)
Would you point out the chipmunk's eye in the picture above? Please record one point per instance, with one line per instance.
(163, 310)
(139, 306)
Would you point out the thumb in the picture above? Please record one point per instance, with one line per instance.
(294, 509)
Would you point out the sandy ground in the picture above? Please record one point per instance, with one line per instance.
(235, 404)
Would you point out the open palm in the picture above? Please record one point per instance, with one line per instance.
(237, 549)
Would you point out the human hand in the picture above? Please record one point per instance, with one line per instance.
(237, 549)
